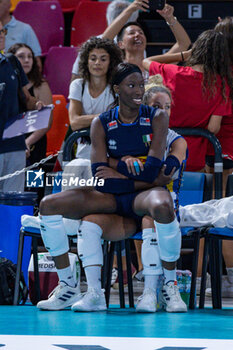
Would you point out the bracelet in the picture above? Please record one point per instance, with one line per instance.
(182, 56)
(172, 24)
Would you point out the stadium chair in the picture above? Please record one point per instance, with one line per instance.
(213, 253)
(67, 5)
(46, 19)
(14, 3)
(57, 69)
(56, 135)
(89, 19)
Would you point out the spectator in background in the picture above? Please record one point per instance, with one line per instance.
(200, 90)
(36, 142)
(113, 10)
(12, 151)
(18, 32)
(91, 94)
(131, 37)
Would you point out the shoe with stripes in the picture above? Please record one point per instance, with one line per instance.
(170, 298)
(61, 297)
(92, 300)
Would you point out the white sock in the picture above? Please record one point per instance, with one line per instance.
(151, 282)
(93, 275)
(169, 275)
(66, 275)
(230, 274)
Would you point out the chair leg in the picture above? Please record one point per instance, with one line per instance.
(36, 268)
(18, 267)
(204, 273)
(129, 273)
(120, 275)
(217, 245)
(194, 270)
(109, 272)
(105, 265)
(213, 263)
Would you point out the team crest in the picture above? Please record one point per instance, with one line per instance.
(112, 125)
(145, 121)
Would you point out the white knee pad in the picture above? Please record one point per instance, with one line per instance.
(54, 235)
(89, 244)
(150, 253)
(169, 239)
(71, 226)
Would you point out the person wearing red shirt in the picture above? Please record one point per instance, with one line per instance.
(200, 90)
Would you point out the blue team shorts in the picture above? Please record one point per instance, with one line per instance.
(125, 206)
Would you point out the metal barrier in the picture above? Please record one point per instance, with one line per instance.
(218, 163)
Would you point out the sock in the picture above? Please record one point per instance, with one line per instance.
(169, 275)
(66, 275)
(230, 274)
(93, 275)
(151, 282)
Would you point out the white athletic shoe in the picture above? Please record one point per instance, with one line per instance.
(170, 298)
(92, 300)
(227, 289)
(147, 302)
(198, 283)
(61, 297)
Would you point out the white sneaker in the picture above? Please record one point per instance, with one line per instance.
(227, 289)
(147, 302)
(92, 300)
(198, 283)
(170, 298)
(61, 297)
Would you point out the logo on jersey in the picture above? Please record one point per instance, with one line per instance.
(147, 139)
(112, 144)
(112, 125)
(145, 121)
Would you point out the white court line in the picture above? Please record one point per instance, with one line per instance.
(27, 342)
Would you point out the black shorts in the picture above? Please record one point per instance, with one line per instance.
(125, 206)
(227, 163)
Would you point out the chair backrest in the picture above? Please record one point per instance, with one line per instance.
(67, 5)
(14, 3)
(89, 20)
(56, 135)
(195, 188)
(229, 187)
(57, 69)
(46, 18)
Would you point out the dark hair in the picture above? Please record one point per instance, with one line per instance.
(211, 51)
(34, 75)
(99, 43)
(226, 27)
(121, 71)
(122, 31)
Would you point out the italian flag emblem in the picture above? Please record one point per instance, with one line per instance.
(147, 138)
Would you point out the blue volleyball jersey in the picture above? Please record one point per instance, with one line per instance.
(135, 139)
(128, 139)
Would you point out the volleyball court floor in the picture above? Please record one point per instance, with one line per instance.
(26, 327)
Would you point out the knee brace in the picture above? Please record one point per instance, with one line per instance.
(54, 235)
(169, 239)
(89, 244)
(150, 253)
(71, 226)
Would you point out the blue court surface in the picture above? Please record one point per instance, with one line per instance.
(26, 327)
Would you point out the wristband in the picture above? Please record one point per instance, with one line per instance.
(171, 162)
(94, 166)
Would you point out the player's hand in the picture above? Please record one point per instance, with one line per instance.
(134, 165)
(104, 172)
(39, 105)
(167, 13)
(162, 179)
(139, 5)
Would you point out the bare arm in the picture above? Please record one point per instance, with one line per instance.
(120, 21)
(179, 148)
(166, 58)
(182, 39)
(78, 120)
(214, 124)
